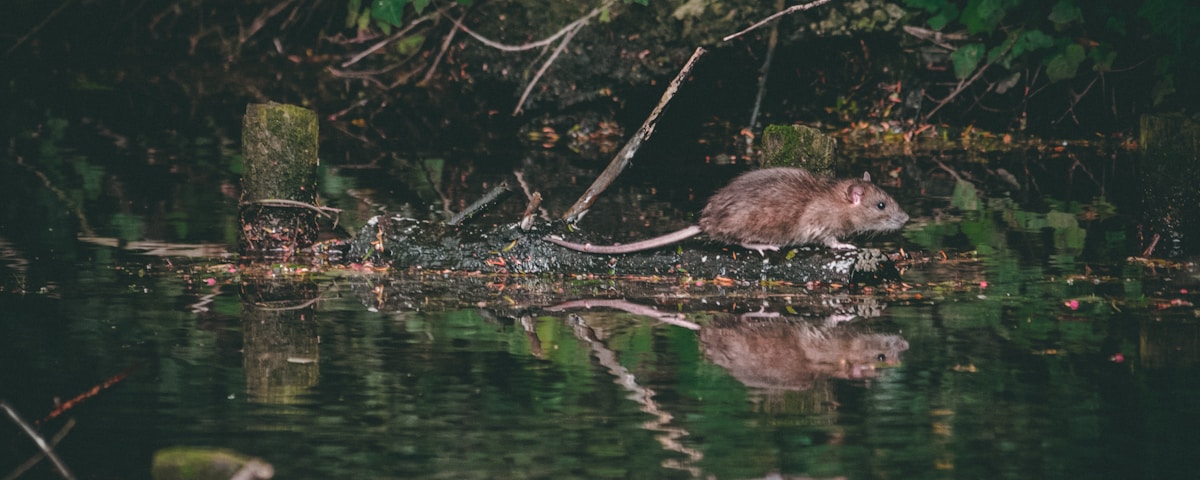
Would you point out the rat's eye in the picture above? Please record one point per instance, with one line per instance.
(881, 357)
(881, 205)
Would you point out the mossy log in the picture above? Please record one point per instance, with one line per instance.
(279, 183)
(406, 243)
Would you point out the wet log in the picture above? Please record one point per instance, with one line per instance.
(1170, 148)
(279, 150)
(411, 244)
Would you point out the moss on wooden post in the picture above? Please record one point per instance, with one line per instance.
(798, 146)
(279, 150)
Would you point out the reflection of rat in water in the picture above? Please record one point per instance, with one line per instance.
(795, 354)
(768, 208)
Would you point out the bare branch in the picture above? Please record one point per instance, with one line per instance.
(540, 43)
(791, 9)
(625, 155)
(546, 66)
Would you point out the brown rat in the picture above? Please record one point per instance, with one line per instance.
(773, 207)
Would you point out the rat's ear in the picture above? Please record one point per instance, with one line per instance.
(866, 176)
(854, 193)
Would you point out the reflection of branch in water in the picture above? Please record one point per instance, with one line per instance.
(643, 396)
(535, 343)
(41, 443)
(676, 319)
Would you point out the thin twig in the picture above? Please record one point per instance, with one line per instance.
(966, 82)
(487, 199)
(261, 21)
(625, 155)
(393, 37)
(794, 8)
(36, 28)
(41, 443)
(540, 43)
(282, 202)
(445, 47)
(66, 199)
(772, 41)
(546, 66)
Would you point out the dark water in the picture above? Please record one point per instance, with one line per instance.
(993, 384)
(1020, 343)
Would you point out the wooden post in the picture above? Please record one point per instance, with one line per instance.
(279, 150)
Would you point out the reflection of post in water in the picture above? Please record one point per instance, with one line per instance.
(279, 340)
(670, 439)
(1169, 344)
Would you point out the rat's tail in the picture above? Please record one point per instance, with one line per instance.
(659, 241)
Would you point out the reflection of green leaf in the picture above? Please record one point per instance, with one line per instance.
(965, 197)
(179, 220)
(1060, 220)
(127, 227)
(90, 176)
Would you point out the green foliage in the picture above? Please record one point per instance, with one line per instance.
(386, 13)
(1064, 38)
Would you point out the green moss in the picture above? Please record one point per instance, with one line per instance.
(798, 146)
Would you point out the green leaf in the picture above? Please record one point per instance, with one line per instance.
(419, 5)
(410, 44)
(1065, 12)
(983, 15)
(1031, 40)
(1064, 65)
(1102, 58)
(965, 196)
(1163, 88)
(938, 22)
(389, 11)
(352, 9)
(1075, 53)
(966, 58)
(364, 19)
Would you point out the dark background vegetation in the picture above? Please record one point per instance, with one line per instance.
(1060, 68)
